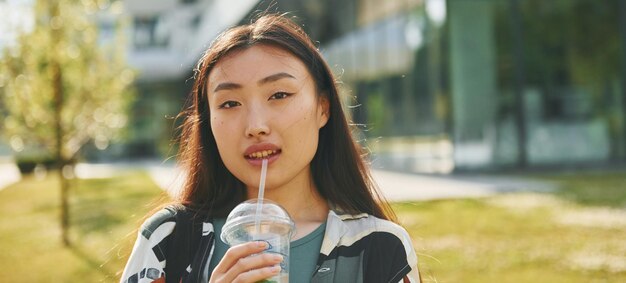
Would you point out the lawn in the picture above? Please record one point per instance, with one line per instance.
(104, 216)
(575, 234)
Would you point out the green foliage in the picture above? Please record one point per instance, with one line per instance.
(95, 81)
(27, 164)
(377, 114)
(571, 51)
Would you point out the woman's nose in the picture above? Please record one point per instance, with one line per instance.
(257, 124)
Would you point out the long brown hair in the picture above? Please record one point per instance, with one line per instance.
(338, 169)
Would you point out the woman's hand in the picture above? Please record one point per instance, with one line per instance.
(239, 266)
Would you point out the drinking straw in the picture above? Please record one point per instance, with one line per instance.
(259, 203)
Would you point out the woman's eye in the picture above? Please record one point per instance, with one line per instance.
(280, 95)
(229, 104)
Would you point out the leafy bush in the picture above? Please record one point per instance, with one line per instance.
(27, 164)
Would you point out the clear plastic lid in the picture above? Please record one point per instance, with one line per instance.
(240, 226)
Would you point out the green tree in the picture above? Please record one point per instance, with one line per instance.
(62, 88)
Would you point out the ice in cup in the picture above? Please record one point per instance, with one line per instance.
(273, 226)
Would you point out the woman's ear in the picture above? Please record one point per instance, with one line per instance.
(323, 111)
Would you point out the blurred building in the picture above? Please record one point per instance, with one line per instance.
(165, 40)
(437, 84)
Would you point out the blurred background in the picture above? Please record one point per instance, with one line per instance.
(497, 127)
(438, 85)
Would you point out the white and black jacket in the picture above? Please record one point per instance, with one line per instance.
(356, 248)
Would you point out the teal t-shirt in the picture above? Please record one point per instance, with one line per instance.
(220, 247)
(303, 253)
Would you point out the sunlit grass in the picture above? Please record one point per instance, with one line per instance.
(571, 235)
(104, 216)
(524, 237)
(598, 188)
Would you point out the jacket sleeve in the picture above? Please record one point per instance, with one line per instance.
(413, 275)
(389, 255)
(147, 260)
(402, 259)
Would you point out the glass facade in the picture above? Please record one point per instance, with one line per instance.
(564, 78)
(438, 85)
(483, 83)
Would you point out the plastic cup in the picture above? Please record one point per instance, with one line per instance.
(273, 226)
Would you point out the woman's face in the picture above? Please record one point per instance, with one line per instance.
(264, 105)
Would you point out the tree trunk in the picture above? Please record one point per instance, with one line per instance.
(622, 18)
(65, 219)
(58, 101)
(57, 89)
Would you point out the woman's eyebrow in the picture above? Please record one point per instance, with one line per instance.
(275, 77)
(268, 79)
(226, 86)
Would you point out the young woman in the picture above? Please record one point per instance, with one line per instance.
(263, 91)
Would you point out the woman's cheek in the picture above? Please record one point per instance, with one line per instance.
(218, 127)
(217, 122)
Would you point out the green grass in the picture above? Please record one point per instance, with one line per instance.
(104, 215)
(575, 234)
(598, 189)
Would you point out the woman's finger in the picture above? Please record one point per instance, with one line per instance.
(259, 261)
(237, 252)
(257, 274)
(238, 265)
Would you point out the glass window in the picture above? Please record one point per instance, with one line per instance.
(146, 33)
(571, 77)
